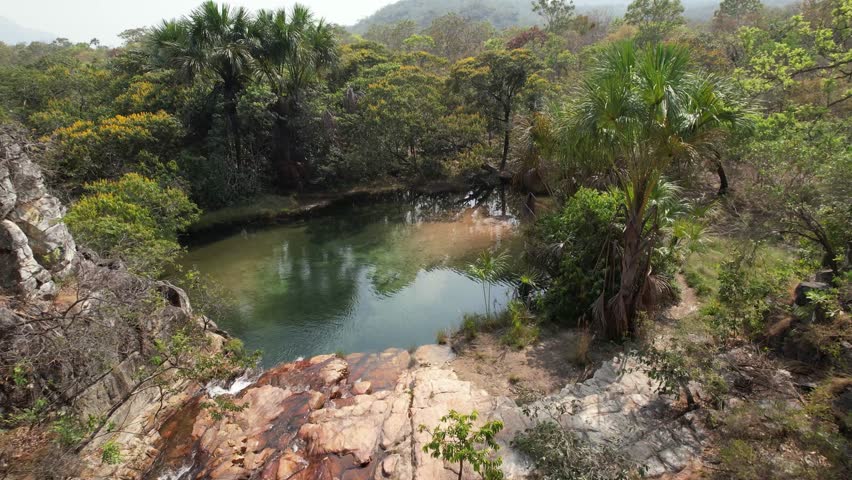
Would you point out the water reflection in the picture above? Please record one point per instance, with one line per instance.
(364, 277)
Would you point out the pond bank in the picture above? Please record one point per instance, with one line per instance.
(271, 209)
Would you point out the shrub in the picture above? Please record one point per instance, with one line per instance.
(134, 219)
(750, 284)
(522, 331)
(111, 453)
(569, 245)
(559, 454)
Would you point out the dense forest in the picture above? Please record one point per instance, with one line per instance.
(710, 148)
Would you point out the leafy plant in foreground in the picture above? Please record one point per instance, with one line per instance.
(458, 441)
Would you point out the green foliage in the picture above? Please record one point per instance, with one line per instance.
(806, 51)
(111, 453)
(70, 430)
(655, 18)
(492, 81)
(221, 406)
(32, 415)
(748, 290)
(804, 163)
(570, 245)
(557, 14)
(522, 331)
(560, 454)
(456, 440)
(187, 351)
(134, 219)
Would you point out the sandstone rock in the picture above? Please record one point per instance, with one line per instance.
(290, 464)
(436, 355)
(361, 388)
(375, 434)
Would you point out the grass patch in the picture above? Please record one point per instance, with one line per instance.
(777, 441)
(701, 269)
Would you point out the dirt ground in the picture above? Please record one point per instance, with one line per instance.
(549, 364)
(537, 370)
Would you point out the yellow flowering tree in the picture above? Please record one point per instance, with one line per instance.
(88, 150)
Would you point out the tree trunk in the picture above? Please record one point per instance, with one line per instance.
(461, 469)
(284, 154)
(506, 133)
(233, 121)
(623, 312)
(723, 178)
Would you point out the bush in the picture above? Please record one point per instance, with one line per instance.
(133, 219)
(559, 454)
(569, 246)
(751, 282)
(111, 453)
(523, 330)
(88, 150)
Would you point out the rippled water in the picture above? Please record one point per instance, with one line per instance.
(361, 277)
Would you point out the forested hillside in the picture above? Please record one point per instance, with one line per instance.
(512, 13)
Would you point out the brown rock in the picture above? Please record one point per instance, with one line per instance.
(317, 400)
(290, 464)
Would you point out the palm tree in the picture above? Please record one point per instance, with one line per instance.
(487, 269)
(212, 42)
(293, 52)
(637, 113)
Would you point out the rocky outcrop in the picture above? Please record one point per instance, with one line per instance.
(316, 419)
(35, 246)
(619, 406)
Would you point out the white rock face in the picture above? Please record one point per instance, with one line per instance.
(619, 406)
(19, 271)
(39, 247)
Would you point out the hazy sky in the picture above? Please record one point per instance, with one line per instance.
(82, 20)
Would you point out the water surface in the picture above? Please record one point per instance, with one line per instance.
(361, 277)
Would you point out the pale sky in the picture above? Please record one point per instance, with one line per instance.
(82, 20)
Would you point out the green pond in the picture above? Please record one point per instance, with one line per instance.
(361, 276)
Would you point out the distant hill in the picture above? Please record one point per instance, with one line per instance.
(507, 13)
(11, 33)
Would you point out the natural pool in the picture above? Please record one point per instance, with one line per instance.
(364, 276)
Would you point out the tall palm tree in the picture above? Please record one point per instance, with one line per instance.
(293, 52)
(212, 42)
(637, 113)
